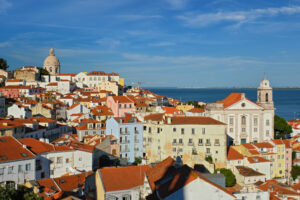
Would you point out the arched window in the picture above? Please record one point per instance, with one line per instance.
(259, 97)
(267, 97)
(50, 69)
(243, 120)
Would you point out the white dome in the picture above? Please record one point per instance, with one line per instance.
(51, 60)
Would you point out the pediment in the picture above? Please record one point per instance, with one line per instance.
(244, 104)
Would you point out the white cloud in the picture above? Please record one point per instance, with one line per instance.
(108, 42)
(162, 44)
(4, 44)
(177, 4)
(238, 17)
(133, 17)
(4, 5)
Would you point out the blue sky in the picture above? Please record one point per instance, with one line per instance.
(159, 42)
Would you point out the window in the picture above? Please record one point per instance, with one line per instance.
(126, 130)
(282, 156)
(231, 121)
(1, 171)
(20, 168)
(174, 141)
(208, 150)
(120, 105)
(182, 131)
(51, 172)
(243, 130)
(255, 129)
(255, 121)
(243, 120)
(193, 131)
(190, 141)
(67, 160)
(59, 160)
(200, 142)
(149, 130)
(174, 149)
(129, 105)
(158, 130)
(174, 129)
(203, 130)
(267, 132)
(180, 141)
(145, 128)
(125, 105)
(10, 170)
(217, 142)
(207, 141)
(278, 156)
(28, 167)
(267, 122)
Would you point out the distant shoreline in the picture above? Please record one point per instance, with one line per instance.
(284, 88)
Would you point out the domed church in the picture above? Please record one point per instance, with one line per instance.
(51, 63)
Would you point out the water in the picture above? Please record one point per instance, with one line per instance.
(287, 101)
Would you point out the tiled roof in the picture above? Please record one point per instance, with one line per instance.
(253, 152)
(123, 178)
(70, 74)
(276, 188)
(263, 145)
(277, 141)
(197, 110)
(248, 146)
(195, 120)
(247, 171)
(71, 182)
(232, 99)
(39, 147)
(122, 99)
(234, 154)
(257, 159)
(155, 117)
(11, 150)
(287, 143)
(171, 110)
(53, 84)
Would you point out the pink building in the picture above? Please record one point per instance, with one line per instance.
(14, 91)
(120, 105)
(288, 157)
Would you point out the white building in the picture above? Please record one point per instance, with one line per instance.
(93, 78)
(56, 160)
(17, 163)
(77, 108)
(19, 111)
(246, 121)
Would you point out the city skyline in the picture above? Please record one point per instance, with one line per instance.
(179, 43)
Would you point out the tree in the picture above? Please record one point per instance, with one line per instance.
(209, 159)
(137, 160)
(295, 172)
(43, 71)
(281, 127)
(229, 176)
(8, 192)
(3, 64)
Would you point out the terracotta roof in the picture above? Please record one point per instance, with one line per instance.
(11, 150)
(287, 143)
(248, 146)
(81, 146)
(276, 188)
(257, 159)
(277, 141)
(232, 99)
(39, 147)
(247, 171)
(234, 154)
(155, 117)
(195, 120)
(47, 188)
(171, 110)
(53, 84)
(197, 110)
(14, 80)
(263, 145)
(253, 152)
(67, 74)
(123, 178)
(97, 73)
(71, 182)
(122, 99)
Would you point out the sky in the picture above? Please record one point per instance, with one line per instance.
(160, 43)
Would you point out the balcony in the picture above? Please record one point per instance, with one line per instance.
(208, 144)
(180, 144)
(174, 143)
(200, 144)
(191, 143)
(217, 144)
(136, 149)
(124, 142)
(136, 141)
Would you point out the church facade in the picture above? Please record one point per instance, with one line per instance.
(246, 120)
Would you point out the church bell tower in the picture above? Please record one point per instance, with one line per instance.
(265, 95)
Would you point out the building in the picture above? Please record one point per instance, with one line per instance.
(120, 182)
(19, 111)
(120, 105)
(28, 73)
(2, 107)
(129, 131)
(94, 78)
(246, 120)
(17, 163)
(191, 138)
(52, 64)
(112, 86)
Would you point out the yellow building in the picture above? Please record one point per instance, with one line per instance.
(122, 82)
(274, 151)
(184, 107)
(191, 138)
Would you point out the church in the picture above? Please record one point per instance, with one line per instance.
(246, 120)
(52, 64)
